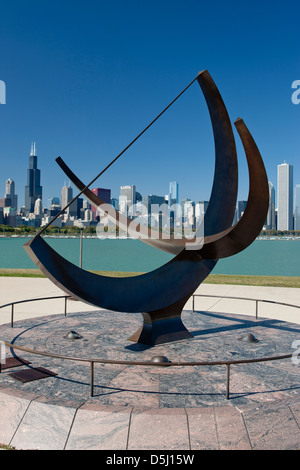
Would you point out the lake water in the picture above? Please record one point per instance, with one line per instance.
(263, 257)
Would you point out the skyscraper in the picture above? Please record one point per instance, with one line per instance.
(53, 201)
(285, 197)
(173, 200)
(38, 207)
(297, 207)
(200, 208)
(10, 193)
(10, 199)
(241, 209)
(152, 202)
(127, 199)
(173, 193)
(270, 221)
(66, 197)
(154, 205)
(33, 190)
(104, 195)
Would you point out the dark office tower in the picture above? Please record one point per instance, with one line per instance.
(174, 198)
(33, 190)
(104, 195)
(241, 208)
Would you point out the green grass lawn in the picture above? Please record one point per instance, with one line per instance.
(269, 281)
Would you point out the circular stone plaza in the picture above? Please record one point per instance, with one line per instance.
(233, 386)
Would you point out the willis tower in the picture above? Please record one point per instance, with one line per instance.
(33, 190)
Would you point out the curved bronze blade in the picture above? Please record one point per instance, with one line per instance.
(175, 280)
(240, 236)
(221, 208)
(148, 292)
(222, 202)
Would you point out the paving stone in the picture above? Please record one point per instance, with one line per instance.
(97, 428)
(295, 409)
(231, 430)
(272, 427)
(45, 426)
(163, 429)
(202, 428)
(13, 406)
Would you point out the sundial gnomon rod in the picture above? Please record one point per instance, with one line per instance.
(118, 156)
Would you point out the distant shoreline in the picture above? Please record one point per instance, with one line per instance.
(263, 281)
(259, 238)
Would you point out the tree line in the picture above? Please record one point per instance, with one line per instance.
(26, 230)
(52, 230)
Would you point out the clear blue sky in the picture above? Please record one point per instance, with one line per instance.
(83, 78)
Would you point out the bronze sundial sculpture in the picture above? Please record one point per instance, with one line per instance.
(160, 295)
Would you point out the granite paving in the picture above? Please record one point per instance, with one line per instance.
(138, 407)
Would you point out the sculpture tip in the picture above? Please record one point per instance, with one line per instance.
(238, 121)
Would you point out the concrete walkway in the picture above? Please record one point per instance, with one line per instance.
(37, 421)
(13, 289)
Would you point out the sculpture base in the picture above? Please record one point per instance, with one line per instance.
(162, 326)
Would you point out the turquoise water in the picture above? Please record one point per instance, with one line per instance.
(263, 257)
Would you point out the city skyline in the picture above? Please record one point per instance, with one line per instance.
(172, 192)
(281, 216)
(162, 191)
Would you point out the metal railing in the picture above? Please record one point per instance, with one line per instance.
(12, 304)
(243, 298)
(93, 361)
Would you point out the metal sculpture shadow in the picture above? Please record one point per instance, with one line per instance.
(160, 295)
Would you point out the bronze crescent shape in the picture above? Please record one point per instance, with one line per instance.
(163, 292)
(176, 279)
(240, 236)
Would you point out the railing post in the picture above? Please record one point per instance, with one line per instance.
(66, 299)
(193, 303)
(256, 310)
(12, 315)
(92, 379)
(227, 381)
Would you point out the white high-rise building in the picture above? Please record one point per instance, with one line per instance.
(89, 216)
(200, 208)
(38, 207)
(127, 199)
(285, 197)
(66, 197)
(297, 207)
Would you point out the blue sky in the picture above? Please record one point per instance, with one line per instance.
(83, 78)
